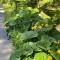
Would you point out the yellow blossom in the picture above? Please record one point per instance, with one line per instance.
(50, 57)
(46, 25)
(58, 51)
(40, 26)
(34, 27)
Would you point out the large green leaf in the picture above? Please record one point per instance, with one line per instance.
(28, 35)
(11, 19)
(45, 42)
(27, 48)
(40, 56)
(24, 49)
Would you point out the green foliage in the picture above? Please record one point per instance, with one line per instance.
(31, 25)
(28, 35)
(56, 56)
(41, 55)
(45, 42)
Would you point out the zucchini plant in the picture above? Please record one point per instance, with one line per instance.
(32, 25)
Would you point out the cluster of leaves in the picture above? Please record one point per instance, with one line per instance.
(31, 25)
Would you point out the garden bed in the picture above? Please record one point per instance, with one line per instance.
(34, 28)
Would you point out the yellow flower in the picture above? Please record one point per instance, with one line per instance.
(34, 27)
(50, 57)
(58, 51)
(40, 26)
(46, 25)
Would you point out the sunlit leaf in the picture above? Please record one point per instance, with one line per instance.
(40, 56)
(43, 15)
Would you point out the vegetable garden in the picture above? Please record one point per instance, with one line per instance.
(34, 28)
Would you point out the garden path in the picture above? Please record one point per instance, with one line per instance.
(5, 45)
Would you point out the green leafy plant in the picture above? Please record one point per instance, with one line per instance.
(31, 25)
